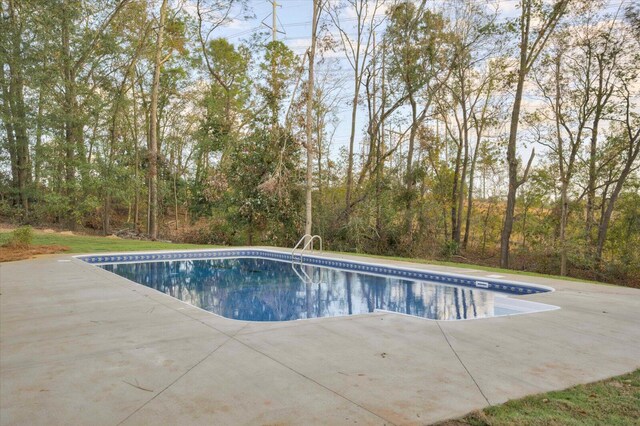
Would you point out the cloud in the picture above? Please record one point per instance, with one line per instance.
(508, 8)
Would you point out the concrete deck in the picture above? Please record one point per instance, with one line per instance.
(79, 345)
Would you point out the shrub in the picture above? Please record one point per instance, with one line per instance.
(211, 231)
(21, 237)
(449, 249)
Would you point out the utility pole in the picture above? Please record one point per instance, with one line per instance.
(274, 30)
(274, 36)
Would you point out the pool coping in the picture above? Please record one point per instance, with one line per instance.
(419, 274)
(507, 300)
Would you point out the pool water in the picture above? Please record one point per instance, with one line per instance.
(257, 289)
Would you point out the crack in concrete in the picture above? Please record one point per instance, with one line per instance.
(315, 381)
(178, 378)
(462, 363)
(233, 337)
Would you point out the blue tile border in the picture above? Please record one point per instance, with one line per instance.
(409, 274)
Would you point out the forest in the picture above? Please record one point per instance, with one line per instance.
(499, 133)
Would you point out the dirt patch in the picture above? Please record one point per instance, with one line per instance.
(7, 227)
(9, 254)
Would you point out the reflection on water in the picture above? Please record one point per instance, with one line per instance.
(267, 290)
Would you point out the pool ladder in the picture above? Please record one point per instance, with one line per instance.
(309, 244)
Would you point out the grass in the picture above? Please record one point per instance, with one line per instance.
(472, 266)
(96, 244)
(90, 244)
(614, 401)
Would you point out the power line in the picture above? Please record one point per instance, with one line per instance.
(441, 2)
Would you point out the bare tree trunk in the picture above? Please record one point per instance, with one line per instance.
(603, 94)
(528, 55)
(591, 182)
(444, 220)
(472, 172)
(512, 162)
(319, 136)
(564, 175)
(603, 228)
(106, 219)
(484, 228)
(175, 197)
(17, 108)
(117, 107)
(357, 49)
(633, 135)
(380, 158)
(454, 192)
(479, 126)
(70, 128)
(409, 175)
(136, 199)
(357, 73)
(525, 214)
(113, 137)
(564, 212)
(463, 174)
(309, 120)
(153, 127)
(37, 154)
(7, 120)
(352, 136)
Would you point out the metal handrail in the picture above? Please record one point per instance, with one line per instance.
(299, 242)
(312, 238)
(293, 252)
(306, 279)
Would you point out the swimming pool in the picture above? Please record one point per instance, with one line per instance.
(265, 285)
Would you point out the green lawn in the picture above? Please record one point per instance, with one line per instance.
(472, 266)
(614, 401)
(89, 244)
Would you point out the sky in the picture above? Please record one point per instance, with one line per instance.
(294, 27)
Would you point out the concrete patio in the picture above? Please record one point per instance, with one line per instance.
(79, 345)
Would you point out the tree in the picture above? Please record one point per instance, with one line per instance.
(357, 50)
(488, 116)
(603, 50)
(75, 53)
(153, 123)
(629, 137)
(532, 42)
(226, 101)
(13, 104)
(98, 96)
(138, 41)
(475, 46)
(567, 92)
(226, 65)
(419, 52)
